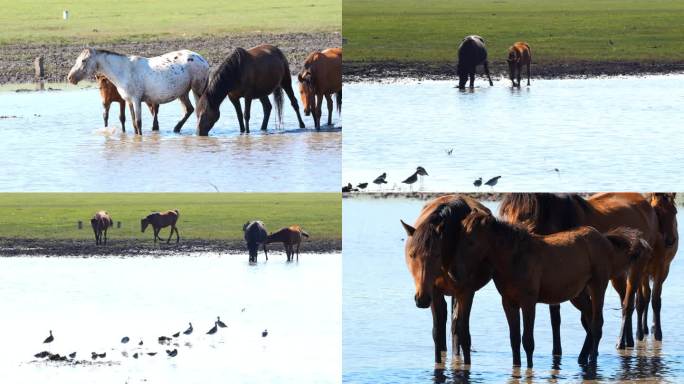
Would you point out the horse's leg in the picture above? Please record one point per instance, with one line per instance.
(513, 317)
(633, 282)
(465, 304)
(472, 79)
(620, 285)
(122, 115)
(583, 303)
(597, 292)
(554, 311)
(265, 252)
(455, 345)
(154, 109)
(105, 236)
(156, 234)
(287, 86)
(248, 110)
(170, 234)
(486, 69)
(138, 116)
(105, 113)
(177, 234)
(298, 251)
(187, 110)
(238, 111)
(266, 104)
(132, 111)
(528, 73)
(439, 317)
(528, 331)
(646, 294)
(318, 110)
(658, 281)
(329, 100)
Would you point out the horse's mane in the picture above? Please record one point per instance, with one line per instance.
(514, 236)
(447, 217)
(542, 211)
(108, 52)
(225, 75)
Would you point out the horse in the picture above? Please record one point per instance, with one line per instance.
(110, 95)
(159, 220)
(573, 265)
(547, 213)
(519, 54)
(321, 77)
(100, 222)
(254, 73)
(255, 235)
(430, 246)
(658, 266)
(156, 80)
(471, 53)
(290, 236)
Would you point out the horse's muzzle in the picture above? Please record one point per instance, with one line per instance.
(422, 301)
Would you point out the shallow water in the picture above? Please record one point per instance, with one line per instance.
(596, 132)
(386, 339)
(57, 143)
(91, 303)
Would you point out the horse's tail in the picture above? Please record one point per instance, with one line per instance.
(278, 99)
(338, 101)
(628, 240)
(304, 233)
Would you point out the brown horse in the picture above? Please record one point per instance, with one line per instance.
(548, 213)
(159, 220)
(321, 77)
(100, 223)
(290, 237)
(519, 54)
(658, 266)
(529, 269)
(254, 73)
(110, 95)
(430, 246)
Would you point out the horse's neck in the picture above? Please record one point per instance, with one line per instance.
(116, 68)
(504, 249)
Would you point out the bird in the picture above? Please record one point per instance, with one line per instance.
(140, 343)
(176, 334)
(125, 340)
(189, 330)
(42, 355)
(380, 180)
(93, 355)
(449, 151)
(163, 339)
(362, 185)
(478, 182)
(102, 355)
(212, 330)
(411, 179)
(72, 355)
(220, 323)
(135, 355)
(243, 309)
(172, 353)
(151, 353)
(49, 339)
(421, 171)
(264, 333)
(492, 182)
(347, 188)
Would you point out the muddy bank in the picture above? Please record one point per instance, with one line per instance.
(17, 59)
(378, 71)
(481, 196)
(118, 247)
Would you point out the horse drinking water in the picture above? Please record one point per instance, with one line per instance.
(159, 220)
(255, 235)
(321, 77)
(251, 73)
(471, 53)
(519, 54)
(100, 223)
(290, 237)
(156, 80)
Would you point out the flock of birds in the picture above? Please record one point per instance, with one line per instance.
(162, 340)
(417, 175)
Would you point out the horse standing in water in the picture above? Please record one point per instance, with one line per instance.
(255, 235)
(528, 269)
(254, 73)
(156, 80)
(430, 247)
(290, 237)
(547, 213)
(519, 54)
(321, 77)
(100, 223)
(471, 53)
(159, 220)
(110, 95)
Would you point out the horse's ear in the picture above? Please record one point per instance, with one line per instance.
(409, 229)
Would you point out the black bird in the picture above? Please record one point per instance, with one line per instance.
(189, 330)
(93, 355)
(264, 333)
(478, 182)
(125, 340)
(172, 353)
(380, 180)
(492, 182)
(42, 355)
(243, 309)
(421, 171)
(176, 334)
(102, 355)
(362, 185)
(163, 339)
(449, 151)
(347, 188)
(140, 343)
(411, 179)
(72, 355)
(151, 353)
(212, 330)
(135, 355)
(49, 339)
(220, 323)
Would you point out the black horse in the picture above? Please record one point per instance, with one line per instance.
(255, 234)
(471, 53)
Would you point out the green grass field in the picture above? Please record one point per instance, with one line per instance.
(558, 31)
(204, 216)
(110, 21)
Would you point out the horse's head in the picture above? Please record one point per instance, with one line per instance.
(666, 211)
(84, 67)
(143, 224)
(306, 90)
(208, 115)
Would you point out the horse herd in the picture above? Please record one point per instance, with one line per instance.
(254, 232)
(545, 248)
(472, 52)
(253, 73)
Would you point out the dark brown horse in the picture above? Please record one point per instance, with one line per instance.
(321, 77)
(547, 213)
(110, 95)
(100, 223)
(430, 246)
(255, 235)
(658, 266)
(528, 269)
(291, 237)
(519, 55)
(471, 53)
(159, 220)
(253, 74)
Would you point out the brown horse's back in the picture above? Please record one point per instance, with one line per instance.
(108, 91)
(326, 70)
(268, 68)
(520, 52)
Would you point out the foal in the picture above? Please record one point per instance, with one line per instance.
(159, 220)
(110, 95)
(519, 54)
(290, 237)
(100, 222)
